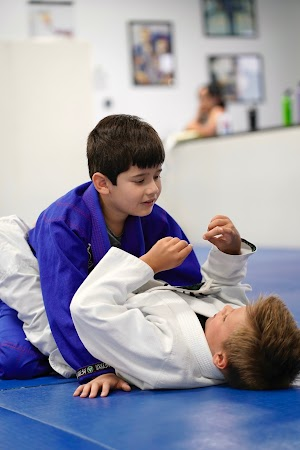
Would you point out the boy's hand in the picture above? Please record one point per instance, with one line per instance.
(222, 233)
(167, 253)
(104, 383)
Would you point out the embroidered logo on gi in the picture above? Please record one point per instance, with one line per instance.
(90, 369)
(91, 260)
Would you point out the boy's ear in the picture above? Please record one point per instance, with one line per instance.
(220, 360)
(101, 182)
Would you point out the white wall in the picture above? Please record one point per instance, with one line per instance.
(253, 178)
(169, 108)
(45, 116)
(104, 24)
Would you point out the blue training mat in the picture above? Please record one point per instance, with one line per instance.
(45, 415)
(40, 381)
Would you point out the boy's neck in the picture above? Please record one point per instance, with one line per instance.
(114, 222)
(115, 229)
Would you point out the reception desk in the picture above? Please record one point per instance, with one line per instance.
(254, 178)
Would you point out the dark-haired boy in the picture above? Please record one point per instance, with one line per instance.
(117, 208)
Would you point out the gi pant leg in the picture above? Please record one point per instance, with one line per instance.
(21, 295)
(19, 359)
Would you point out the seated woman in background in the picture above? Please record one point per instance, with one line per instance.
(209, 120)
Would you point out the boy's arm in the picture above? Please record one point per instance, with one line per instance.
(223, 275)
(226, 265)
(124, 329)
(225, 269)
(106, 325)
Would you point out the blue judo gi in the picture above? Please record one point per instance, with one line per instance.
(69, 239)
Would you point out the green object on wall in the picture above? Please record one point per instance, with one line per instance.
(287, 108)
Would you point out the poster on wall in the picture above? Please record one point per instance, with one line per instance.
(48, 18)
(241, 76)
(229, 17)
(152, 53)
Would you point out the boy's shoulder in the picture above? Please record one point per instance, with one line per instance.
(73, 200)
(69, 209)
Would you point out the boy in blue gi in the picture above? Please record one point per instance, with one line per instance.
(117, 208)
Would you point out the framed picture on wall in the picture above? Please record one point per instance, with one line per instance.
(241, 76)
(48, 18)
(152, 53)
(229, 17)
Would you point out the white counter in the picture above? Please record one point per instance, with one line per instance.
(254, 178)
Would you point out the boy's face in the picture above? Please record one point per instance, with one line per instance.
(219, 327)
(136, 191)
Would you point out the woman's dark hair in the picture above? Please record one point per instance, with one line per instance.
(215, 90)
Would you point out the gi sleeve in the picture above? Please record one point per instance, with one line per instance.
(126, 330)
(224, 273)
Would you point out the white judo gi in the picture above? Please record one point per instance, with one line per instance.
(152, 337)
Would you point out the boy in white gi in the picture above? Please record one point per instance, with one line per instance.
(153, 334)
(154, 337)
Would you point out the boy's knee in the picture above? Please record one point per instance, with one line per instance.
(19, 359)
